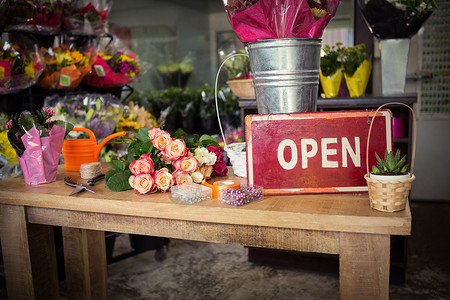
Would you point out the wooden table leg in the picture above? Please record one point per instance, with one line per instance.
(29, 257)
(85, 263)
(364, 266)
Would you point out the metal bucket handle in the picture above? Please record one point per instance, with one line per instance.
(215, 94)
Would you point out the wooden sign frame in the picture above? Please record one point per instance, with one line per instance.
(320, 152)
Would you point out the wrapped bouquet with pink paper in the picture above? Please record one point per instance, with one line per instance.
(113, 68)
(254, 20)
(37, 140)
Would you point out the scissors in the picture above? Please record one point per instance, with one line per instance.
(80, 187)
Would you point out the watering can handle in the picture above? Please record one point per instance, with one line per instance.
(89, 132)
(107, 139)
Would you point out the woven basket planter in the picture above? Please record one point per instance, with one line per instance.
(390, 195)
(243, 88)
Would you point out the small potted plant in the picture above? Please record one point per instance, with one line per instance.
(389, 182)
(331, 70)
(356, 69)
(237, 67)
(391, 165)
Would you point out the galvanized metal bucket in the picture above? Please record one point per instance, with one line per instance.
(285, 74)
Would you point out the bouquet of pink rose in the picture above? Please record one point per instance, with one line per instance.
(156, 161)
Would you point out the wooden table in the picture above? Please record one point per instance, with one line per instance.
(341, 224)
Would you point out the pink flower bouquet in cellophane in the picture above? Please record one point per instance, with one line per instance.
(37, 141)
(254, 20)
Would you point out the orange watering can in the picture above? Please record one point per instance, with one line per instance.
(82, 151)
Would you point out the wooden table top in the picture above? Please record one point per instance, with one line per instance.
(326, 212)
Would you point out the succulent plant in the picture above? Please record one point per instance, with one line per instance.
(391, 165)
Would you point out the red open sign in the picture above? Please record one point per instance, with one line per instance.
(321, 152)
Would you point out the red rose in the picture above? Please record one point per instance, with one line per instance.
(217, 151)
(220, 169)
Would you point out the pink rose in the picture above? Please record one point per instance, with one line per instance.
(152, 132)
(186, 164)
(217, 151)
(176, 149)
(177, 164)
(181, 177)
(143, 183)
(220, 169)
(142, 166)
(163, 179)
(161, 140)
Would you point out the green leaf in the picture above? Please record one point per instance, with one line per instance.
(16, 143)
(404, 169)
(27, 121)
(119, 181)
(180, 133)
(143, 135)
(110, 173)
(375, 170)
(67, 126)
(89, 114)
(117, 165)
(98, 104)
(380, 162)
(208, 140)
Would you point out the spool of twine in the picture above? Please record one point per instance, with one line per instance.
(90, 170)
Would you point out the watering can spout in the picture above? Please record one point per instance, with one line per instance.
(105, 140)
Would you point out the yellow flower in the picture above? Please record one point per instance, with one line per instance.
(8, 149)
(124, 57)
(2, 73)
(29, 70)
(60, 57)
(104, 56)
(77, 56)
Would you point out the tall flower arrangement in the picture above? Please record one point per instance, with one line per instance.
(156, 161)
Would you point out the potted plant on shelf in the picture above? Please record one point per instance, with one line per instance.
(389, 183)
(331, 70)
(356, 69)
